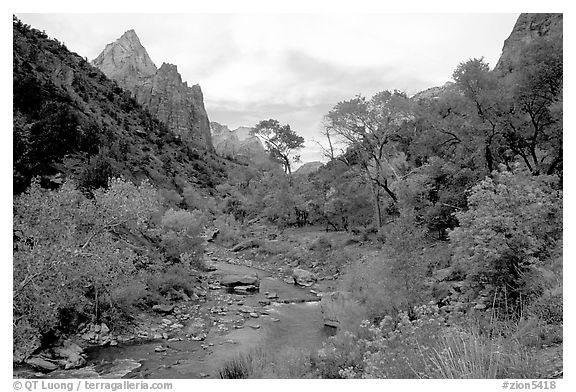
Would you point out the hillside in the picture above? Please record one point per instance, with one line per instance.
(71, 120)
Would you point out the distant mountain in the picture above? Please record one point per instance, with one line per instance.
(238, 144)
(434, 92)
(161, 91)
(70, 120)
(308, 168)
(527, 29)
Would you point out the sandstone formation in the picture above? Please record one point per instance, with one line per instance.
(161, 91)
(433, 93)
(239, 143)
(308, 168)
(528, 27)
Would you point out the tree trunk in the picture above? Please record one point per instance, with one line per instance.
(377, 207)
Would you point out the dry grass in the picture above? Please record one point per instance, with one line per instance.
(469, 355)
(261, 362)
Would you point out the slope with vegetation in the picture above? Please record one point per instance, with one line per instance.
(70, 119)
(439, 215)
(460, 192)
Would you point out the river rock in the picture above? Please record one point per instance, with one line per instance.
(71, 354)
(41, 364)
(303, 277)
(239, 280)
(248, 244)
(164, 309)
(104, 329)
(245, 289)
(159, 349)
(339, 308)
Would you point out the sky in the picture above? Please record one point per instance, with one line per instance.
(293, 67)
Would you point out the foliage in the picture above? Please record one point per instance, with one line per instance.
(179, 234)
(394, 279)
(229, 230)
(281, 141)
(68, 256)
(369, 131)
(264, 362)
(70, 119)
(426, 345)
(506, 236)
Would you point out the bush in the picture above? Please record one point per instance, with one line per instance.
(69, 255)
(179, 234)
(171, 283)
(464, 354)
(229, 230)
(508, 234)
(426, 345)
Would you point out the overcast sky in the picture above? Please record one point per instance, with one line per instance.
(292, 67)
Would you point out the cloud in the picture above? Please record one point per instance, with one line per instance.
(292, 67)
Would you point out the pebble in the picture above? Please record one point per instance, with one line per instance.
(257, 326)
(255, 315)
(159, 349)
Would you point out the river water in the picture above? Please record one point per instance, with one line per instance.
(292, 320)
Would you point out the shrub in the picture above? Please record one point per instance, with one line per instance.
(69, 255)
(464, 354)
(425, 345)
(229, 230)
(512, 226)
(179, 234)
(264, 362)
(171, 283)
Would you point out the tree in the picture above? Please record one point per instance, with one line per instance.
(281, 142)
(507, 236)
(369, 131)
(71, 252)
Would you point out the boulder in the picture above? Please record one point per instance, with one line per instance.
(272, 295)
(339, 308)
(248, 244)
(245, 289)
(71, 354)
(239, 280)
(41, 364)
(303, 277)
(211, 235)
(164, 309)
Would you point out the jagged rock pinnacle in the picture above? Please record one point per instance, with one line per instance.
(161, 91)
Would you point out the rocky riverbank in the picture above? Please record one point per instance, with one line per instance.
(234, 306)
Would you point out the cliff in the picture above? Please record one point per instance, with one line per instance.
(238, 144)
(161, 91)
(528, 28)
(71, 121)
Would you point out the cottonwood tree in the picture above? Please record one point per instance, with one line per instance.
(281, 142)
(369, 132)
(517, 116)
